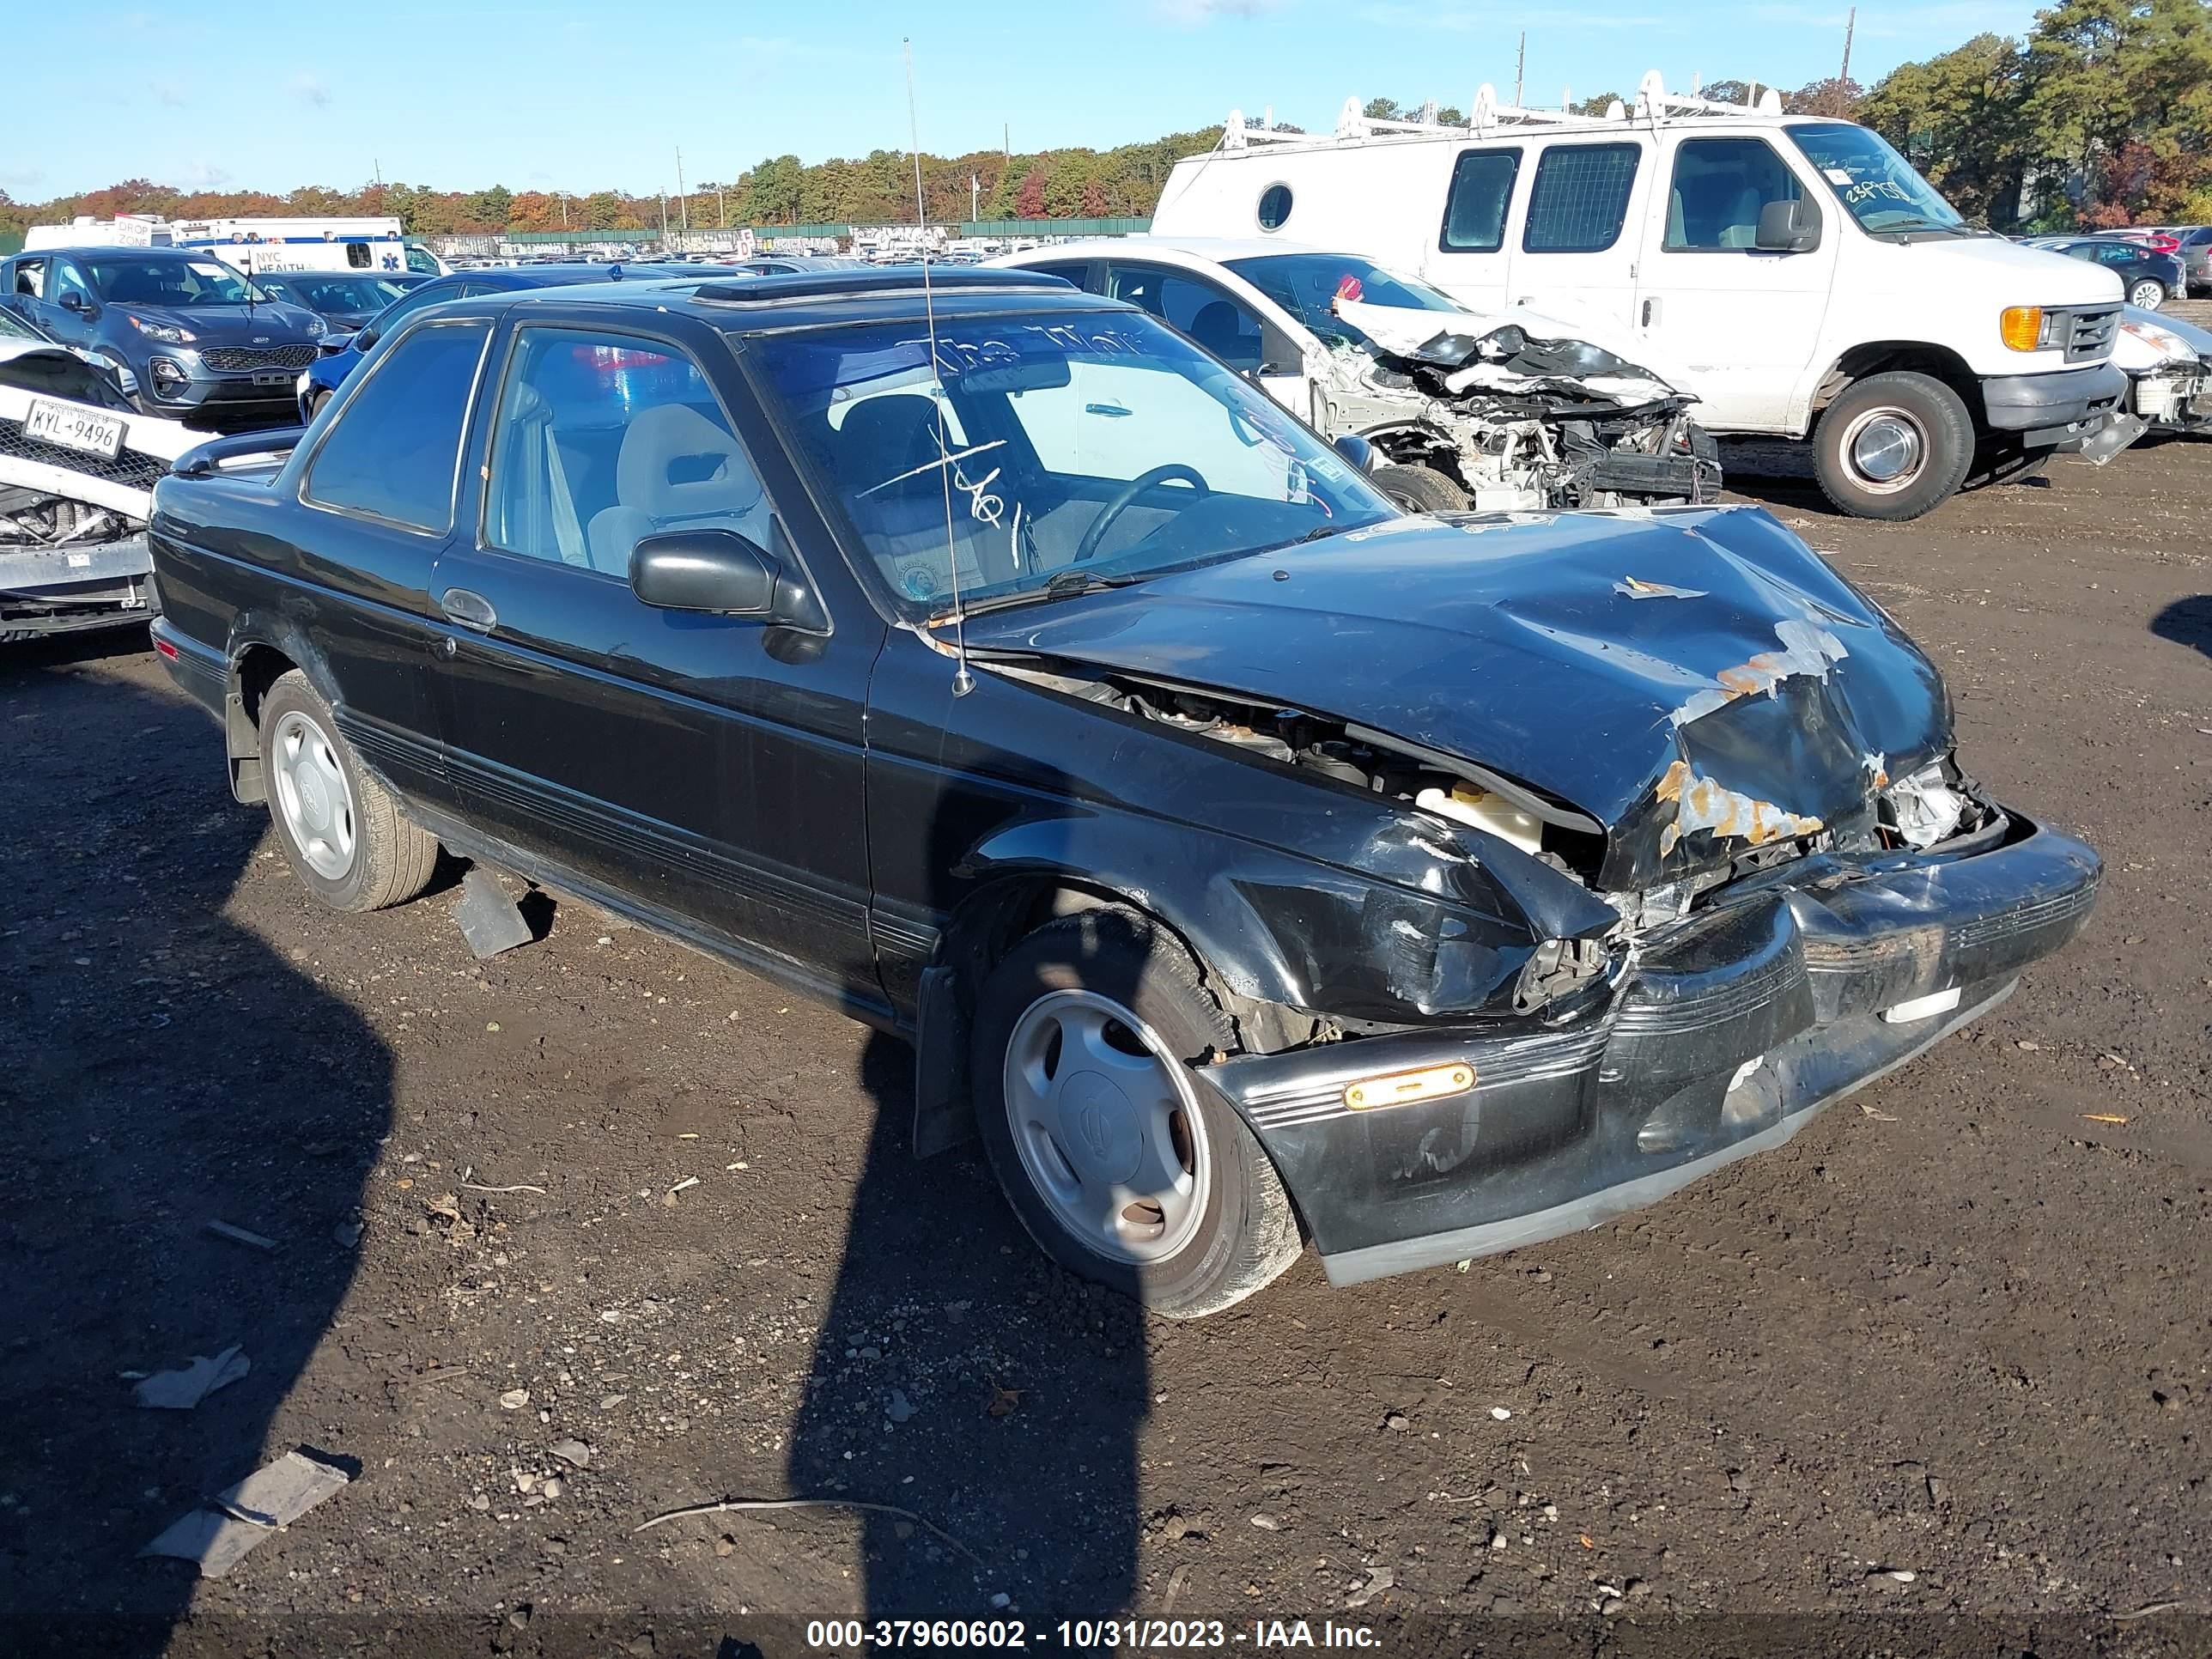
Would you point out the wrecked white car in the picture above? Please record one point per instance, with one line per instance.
(2168, 363)
(1512, 412)
(78, 464)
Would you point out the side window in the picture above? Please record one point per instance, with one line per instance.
(1580, 197)
(357, 256)
(30, 279)
(1481, 192)
(395, 447)
(69, 279)
(1195, 307)
(1720, 185)
(1077, 271)
(603, 441)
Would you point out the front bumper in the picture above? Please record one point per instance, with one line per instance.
(2063, 405)
(1722, 1039)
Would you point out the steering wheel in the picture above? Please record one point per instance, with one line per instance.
(1129, 492)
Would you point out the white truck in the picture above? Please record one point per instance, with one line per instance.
(1795, 272)
(374, 242)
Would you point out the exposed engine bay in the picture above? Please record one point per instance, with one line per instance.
(1516, 411)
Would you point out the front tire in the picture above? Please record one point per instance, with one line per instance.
(1119, 1163)
(341, 831)
(2149, 293)
(1893, 446)
(1420, 488)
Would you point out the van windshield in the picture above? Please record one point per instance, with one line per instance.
(1881, 189)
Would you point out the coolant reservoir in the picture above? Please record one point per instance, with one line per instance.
(1485, 811)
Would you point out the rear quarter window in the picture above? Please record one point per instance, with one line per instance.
(395, 446)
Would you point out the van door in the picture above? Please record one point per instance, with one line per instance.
(1740, 323)
(1576, 253)
(1469, 260)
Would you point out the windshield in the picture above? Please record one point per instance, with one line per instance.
(14, 328)
(1070, 450)
(319, 293)
(129, 280)
(1304, 283)
(1880, 187)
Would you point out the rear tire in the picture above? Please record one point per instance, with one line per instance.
(1420, 488)
(1085, 1101)
(1893, 446)
(341, 831)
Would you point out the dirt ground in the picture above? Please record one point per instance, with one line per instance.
(602, 1228)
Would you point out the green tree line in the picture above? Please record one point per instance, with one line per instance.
(2101, 115)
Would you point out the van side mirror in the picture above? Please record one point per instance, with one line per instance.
(717, 570)
(1790, 227)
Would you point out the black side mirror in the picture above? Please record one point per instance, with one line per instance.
(1354, 449)
(1791, 227)
(74, 301)
(717, 570)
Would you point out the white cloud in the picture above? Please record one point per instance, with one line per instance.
(310, 90)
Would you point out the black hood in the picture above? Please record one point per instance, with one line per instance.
(1695, 681)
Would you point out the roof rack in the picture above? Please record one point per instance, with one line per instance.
(1654, 106)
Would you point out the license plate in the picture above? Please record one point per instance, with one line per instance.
(272, 379)
(94, 431)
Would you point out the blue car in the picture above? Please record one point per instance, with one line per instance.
(203, 343)
(341, 352)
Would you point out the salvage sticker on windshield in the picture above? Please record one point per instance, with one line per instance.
(94, 431)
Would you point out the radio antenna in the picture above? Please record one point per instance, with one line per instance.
(962, 681)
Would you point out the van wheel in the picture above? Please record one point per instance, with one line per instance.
(1420, 488)
(1121, 1167)
(340, 830)
(1893, 446)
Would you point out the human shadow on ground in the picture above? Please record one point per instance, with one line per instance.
(2187, 621)
(161, 1067)
(959, 1374)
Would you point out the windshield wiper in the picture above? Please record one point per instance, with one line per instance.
(1061, 585)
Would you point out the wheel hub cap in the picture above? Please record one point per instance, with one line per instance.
(1884, 447)
(312, 796)
(1107, 1127)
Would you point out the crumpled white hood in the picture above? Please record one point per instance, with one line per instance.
(1401, 333)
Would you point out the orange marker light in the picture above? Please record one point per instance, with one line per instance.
(1406, 1087)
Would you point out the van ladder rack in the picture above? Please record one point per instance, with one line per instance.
(1655, 105)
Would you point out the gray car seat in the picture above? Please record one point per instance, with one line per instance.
(676, 469)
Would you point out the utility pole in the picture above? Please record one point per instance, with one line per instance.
(564, 209)
(1006, 141)
(1520, 63)
(1850, 27)
(722, 208)
(682, 202)
(974, 191)
(664, 221)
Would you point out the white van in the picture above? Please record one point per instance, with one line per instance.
(1796, 272)
(374, 243)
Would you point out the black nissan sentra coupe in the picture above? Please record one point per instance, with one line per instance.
(1249, 862)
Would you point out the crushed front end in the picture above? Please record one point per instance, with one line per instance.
(1523, 416)
(1717, 1035)
(78, 464)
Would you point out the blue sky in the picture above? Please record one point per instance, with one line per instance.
(595, 96)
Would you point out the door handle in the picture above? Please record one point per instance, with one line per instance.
(469, 610)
